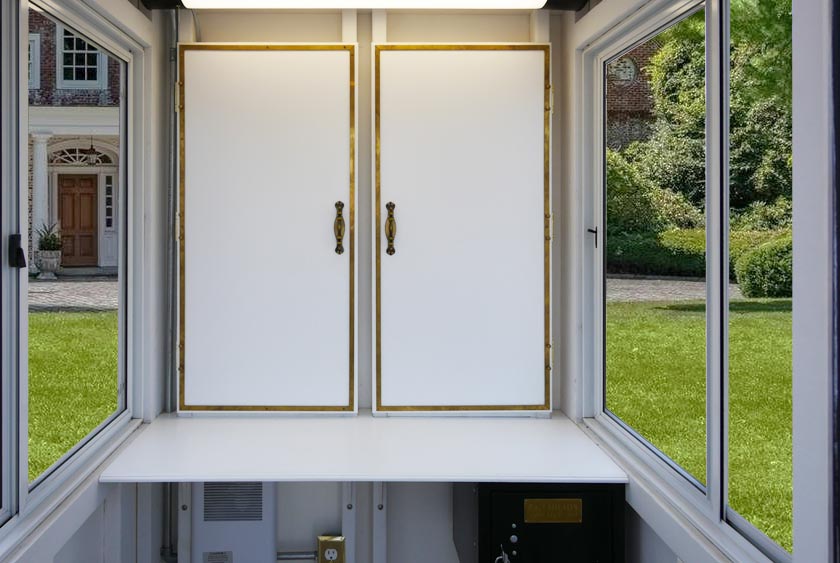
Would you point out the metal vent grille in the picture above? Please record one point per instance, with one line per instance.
(233, 502)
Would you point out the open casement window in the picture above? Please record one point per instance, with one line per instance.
(695, 217)
(73, 329)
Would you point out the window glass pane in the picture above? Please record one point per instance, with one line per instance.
(760, 248)
(654, 256)
(76, 373)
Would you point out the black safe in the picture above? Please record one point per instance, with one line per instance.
(538, 523)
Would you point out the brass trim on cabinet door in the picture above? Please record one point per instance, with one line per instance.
(351, 243)
(546, 283)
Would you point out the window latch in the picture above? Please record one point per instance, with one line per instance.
(594, 232)
(17, 257)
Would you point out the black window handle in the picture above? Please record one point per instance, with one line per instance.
(594, 232)
(17, 257)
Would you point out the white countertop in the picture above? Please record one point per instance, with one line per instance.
(362, 448)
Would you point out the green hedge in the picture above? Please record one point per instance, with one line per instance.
(767, 271)
(677, 252)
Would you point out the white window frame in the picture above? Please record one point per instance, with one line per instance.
(34, 61)
(25, 508)
(659, 490)
(62, 83)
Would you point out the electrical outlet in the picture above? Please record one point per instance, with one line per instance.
(330, 549)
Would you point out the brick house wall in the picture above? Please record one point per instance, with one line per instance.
(630, 106)
(48, 94)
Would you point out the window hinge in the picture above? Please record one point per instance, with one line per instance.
(551, 358)
(551, 99)
(553, 226)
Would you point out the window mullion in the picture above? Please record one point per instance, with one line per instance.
(717, 270)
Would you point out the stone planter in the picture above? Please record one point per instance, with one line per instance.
(48, 262)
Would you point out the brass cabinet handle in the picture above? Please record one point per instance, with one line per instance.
(338, 227)
(390, 228)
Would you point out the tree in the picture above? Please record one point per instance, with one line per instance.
(760, 106)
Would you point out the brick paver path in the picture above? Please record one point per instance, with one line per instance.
(628, 289)
(102, 295)
(73, 295)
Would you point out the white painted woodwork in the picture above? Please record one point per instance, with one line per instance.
(363, 448)
(267, 299)
(462, 141)
(40, 216)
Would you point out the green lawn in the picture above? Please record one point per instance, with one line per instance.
(72, 381)
(656, 384)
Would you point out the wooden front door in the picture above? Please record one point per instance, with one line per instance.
(77, 213)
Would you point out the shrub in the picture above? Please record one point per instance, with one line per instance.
(49, 238)
(635, 205)
(676, 252)
(767, 271)
(760, 216)
(651, 254)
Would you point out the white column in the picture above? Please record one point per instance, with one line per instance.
(40, 191)
(540, 21)
(348, 26)
(379, 24)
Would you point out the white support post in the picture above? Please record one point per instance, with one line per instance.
(185, 522)
(349, 26)
(540, 20)
(379, 26)
(380, 523)
(349, 510)
(40, 190)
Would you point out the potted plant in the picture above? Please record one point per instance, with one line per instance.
(49, 251)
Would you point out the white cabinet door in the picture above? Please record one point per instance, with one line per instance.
(462, 303)
(267, 302)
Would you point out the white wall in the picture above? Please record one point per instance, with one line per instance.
(643, 544)
(420, 523)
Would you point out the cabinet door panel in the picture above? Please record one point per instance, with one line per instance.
(462, 137)
(267, 303)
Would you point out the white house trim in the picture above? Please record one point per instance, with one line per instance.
(75, 120)
(34, 61)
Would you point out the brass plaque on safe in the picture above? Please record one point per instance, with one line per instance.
(553, 511)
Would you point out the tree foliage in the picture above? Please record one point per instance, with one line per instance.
(636, 205)
(760, 106)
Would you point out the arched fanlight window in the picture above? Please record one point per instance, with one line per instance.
(80, 157)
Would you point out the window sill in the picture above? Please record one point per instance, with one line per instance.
(669, 509)
(78, 475)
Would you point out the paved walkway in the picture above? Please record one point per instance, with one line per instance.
(102, 294)
(633, 289)
(73, 295)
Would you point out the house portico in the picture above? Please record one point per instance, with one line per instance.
(61, 140)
